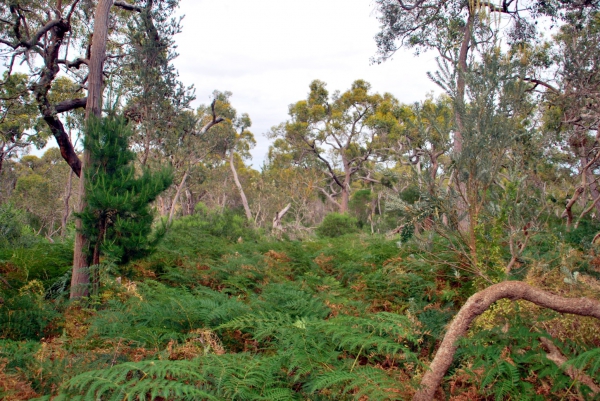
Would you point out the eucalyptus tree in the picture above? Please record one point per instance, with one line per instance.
(342, 133)
(421, 140)
(236, 141)
(572, 105)
(422, 137)
(154, 97)
(241, 143)
(39, 191)
(461, 31)
(201, 136)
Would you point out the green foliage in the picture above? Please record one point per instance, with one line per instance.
(360, 206)
(329, 319)
(44, 261)
(20, 354)
(14, 231)
(26, 315)
(228, 224)
(503, 360)
(588, 362)
(160, 314)
(411, 194)
(117, 219)
(583, 235)
(231, 377)
(336, 225)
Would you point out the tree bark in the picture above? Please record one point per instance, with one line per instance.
(238, 184)
(345, 191)
(476, 305)
(80, 279)
(176, 197)
(65, 217)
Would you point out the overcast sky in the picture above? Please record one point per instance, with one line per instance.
(266, 52)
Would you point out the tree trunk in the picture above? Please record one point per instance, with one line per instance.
(479, 303)
(81, 276)
(238, 184)
(345, 191)
(279, 216)
(462, 204)
(95, 268)
(593, 185)
(66, 214)
(176, 197)
(190, 204)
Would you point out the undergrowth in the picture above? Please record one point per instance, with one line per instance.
(210, 316)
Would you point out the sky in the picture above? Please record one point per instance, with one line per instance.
(266, 52)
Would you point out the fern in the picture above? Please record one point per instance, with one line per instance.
(364, 381)
(226, 377)
(138, 381)
(325, 354)
(588, 361)
(161, 314)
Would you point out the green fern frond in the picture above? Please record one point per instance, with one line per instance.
(589, 362)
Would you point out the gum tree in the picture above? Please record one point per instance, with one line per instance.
(342, 133)
(460, 31)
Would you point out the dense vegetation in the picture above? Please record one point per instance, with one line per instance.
(442, 249)
(209, 317)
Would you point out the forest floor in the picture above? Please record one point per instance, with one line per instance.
(232, 315)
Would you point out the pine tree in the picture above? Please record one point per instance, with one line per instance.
(118, 217)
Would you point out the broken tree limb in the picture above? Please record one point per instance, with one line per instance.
(554, 355)
(279, 216)
(215, 120)
(479, 303)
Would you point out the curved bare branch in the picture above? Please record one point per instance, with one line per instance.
(479, 303)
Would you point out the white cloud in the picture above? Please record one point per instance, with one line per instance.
(266, 52)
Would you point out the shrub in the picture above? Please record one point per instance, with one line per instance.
(14, 231)
(26, 316)
(336, 225)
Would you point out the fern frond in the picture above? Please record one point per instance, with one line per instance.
(589, 362)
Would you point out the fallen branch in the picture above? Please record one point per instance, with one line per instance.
(479, 303)
(554, 354)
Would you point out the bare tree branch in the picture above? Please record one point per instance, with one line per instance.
(75, 63)
(70, 104)
(215, 120)
(126, 6)
(34, 41)
(279, 216)
(329, 197)
(479, 303)
(542, 83)
(559, 359)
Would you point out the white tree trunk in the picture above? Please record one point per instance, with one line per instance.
(238, 184)
(279, 216)
(176, 197)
